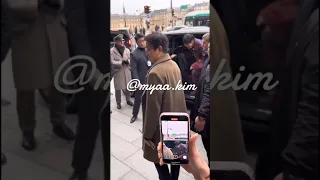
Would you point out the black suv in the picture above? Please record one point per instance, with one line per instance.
(175, 40)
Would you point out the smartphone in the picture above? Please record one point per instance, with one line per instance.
(175, 134)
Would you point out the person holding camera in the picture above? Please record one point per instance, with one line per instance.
(120, 61)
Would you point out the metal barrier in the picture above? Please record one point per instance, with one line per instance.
(229, 170)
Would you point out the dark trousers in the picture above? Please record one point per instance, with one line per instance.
(90, 104)
(26, 108)
(118, 95)
(138, 99)
(164, 173)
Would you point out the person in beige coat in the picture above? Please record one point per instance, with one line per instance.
(39, 47)
(120, 61)
(164, 71)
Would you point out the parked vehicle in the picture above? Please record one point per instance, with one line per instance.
(197, 18)
(175, 40)
(174, 28)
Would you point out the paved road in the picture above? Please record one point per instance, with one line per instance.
(51, 160)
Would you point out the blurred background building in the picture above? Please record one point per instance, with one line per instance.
(160, 17)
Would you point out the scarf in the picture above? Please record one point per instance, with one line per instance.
(120, 49)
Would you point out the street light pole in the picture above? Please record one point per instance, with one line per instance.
(171, 11)
(124, 15)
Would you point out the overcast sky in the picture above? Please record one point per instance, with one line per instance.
(178, 127)
(131, 6)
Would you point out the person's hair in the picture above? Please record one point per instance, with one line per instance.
(187, 38)
(138, 36)
(198, 54)
(156, 40)
(206, 36)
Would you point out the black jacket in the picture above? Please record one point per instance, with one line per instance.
(6, 32)
(185, 58)
(202, 102)
(293, 146)
(139, 65)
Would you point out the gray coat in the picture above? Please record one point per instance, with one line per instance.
(121, 72)
(139, 65)
(39, 44)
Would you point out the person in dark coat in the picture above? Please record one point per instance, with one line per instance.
(200, 112)
(184, 56)
(140, 64)
(89, 36)
(292, 151)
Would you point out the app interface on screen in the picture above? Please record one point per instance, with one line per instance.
(175, 140)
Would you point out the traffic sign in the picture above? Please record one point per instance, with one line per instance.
(148, 16)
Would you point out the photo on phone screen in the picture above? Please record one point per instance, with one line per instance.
(175, 137)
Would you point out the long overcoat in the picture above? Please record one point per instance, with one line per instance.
(39, 44)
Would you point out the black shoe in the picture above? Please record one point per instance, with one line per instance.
(130, 103)
(133, 119)
(3, 159)
(28, 141)
(79, 176)
(110, 111)
(64, 132)
(118, 106)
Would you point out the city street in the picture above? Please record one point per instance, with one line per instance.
(52, 159)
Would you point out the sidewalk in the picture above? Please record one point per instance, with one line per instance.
(52, 159)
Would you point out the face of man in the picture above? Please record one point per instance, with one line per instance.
(205, 41)
(209, 49)
(189, 45)
(120, 43)
(141, 43)
(154, 54)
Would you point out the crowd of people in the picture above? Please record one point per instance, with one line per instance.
(151, 64)
(43, 34)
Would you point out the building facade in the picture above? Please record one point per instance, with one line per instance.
(201, 6)
(159, 17)
(130, 21)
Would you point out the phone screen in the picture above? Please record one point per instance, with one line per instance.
(175, 137)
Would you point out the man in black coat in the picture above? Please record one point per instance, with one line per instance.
(140, 65)
(200, 115)
(88, 31)
(292, 152)
(184, 57)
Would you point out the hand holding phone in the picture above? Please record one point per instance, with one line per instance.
(196, 165)
(175, 133)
